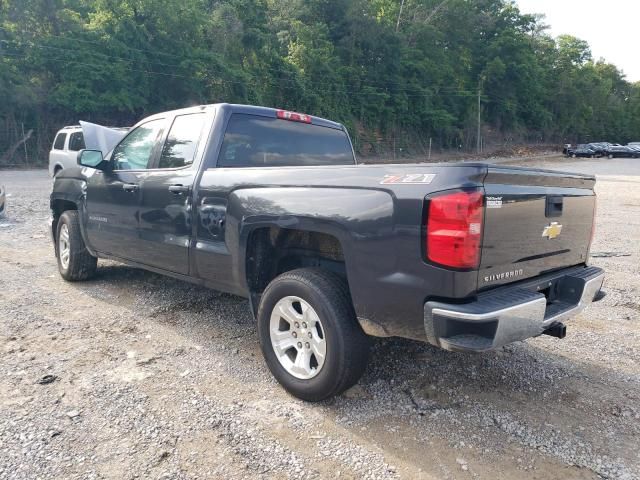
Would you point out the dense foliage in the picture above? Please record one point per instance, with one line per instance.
(396, 72)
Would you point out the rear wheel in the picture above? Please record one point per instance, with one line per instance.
(74, 260)
(309, 334)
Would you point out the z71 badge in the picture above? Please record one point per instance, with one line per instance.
(411, 178)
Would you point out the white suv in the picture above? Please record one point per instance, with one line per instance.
(63, 154)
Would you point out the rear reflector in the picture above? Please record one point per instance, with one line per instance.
(454, 229)
(293, 116)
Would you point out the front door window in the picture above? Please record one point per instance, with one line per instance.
(134, 152)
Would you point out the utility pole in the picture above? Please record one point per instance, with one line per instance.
(399, 15)
(26, 156)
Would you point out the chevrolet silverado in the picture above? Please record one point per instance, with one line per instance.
(271, 205)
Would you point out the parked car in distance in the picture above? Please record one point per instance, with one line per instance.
(635, 149)
(70, 140)
(2, 201)
(618, 151)
(64, 151)
(271, 205)
(599, 147)
(581, 151)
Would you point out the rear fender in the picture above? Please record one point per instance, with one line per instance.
(358, 218)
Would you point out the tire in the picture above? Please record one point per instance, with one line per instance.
(346, 346)
(78, 264)
(56, 171)
(610, 156)
(573, 155)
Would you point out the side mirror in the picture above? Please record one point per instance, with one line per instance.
(92, 159)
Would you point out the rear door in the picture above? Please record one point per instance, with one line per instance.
(113, 197)
(535, 222)
(166, 203)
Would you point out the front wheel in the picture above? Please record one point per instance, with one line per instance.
(74, 260)
(309, 334)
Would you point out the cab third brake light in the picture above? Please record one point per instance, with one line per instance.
(293, 116)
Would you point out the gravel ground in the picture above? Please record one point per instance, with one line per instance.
(133, 375)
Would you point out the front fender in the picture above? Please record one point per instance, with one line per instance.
(70, 190)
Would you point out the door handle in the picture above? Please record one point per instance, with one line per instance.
(207, 209)
(130, 187)
(178, 189)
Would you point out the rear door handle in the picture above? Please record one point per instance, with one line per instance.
(130, 187)
(178, 189)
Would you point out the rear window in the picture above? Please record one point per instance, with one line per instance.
(76, 141)
(58, 144)
(255, 141)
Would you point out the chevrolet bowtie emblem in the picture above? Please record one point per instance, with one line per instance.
(552, 230)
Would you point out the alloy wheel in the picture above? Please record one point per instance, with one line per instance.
(297, 337)
(64, 247)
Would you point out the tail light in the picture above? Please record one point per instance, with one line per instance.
(454, 229)
(293, 116)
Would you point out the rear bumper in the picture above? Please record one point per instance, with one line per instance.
(511, 313)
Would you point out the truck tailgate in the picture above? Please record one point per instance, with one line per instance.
(536, 221)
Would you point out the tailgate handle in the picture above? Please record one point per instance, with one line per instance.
(554, 206)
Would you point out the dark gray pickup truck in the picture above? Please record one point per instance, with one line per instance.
(271, 205)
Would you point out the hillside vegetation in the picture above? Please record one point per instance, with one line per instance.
(396, 72)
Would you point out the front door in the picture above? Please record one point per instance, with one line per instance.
(165, 211)
(113, 197)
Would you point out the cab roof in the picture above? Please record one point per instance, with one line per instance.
(245, 109)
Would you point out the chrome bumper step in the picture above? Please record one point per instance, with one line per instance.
(509, 314)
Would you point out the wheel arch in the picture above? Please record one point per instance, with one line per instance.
(270, 249)
(58, 207)
(71, 197)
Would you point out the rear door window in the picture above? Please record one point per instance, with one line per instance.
(256, 141)
(58, 144)
(180, 146)
(76, 141)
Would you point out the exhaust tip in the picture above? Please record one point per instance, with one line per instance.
(558, 330)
